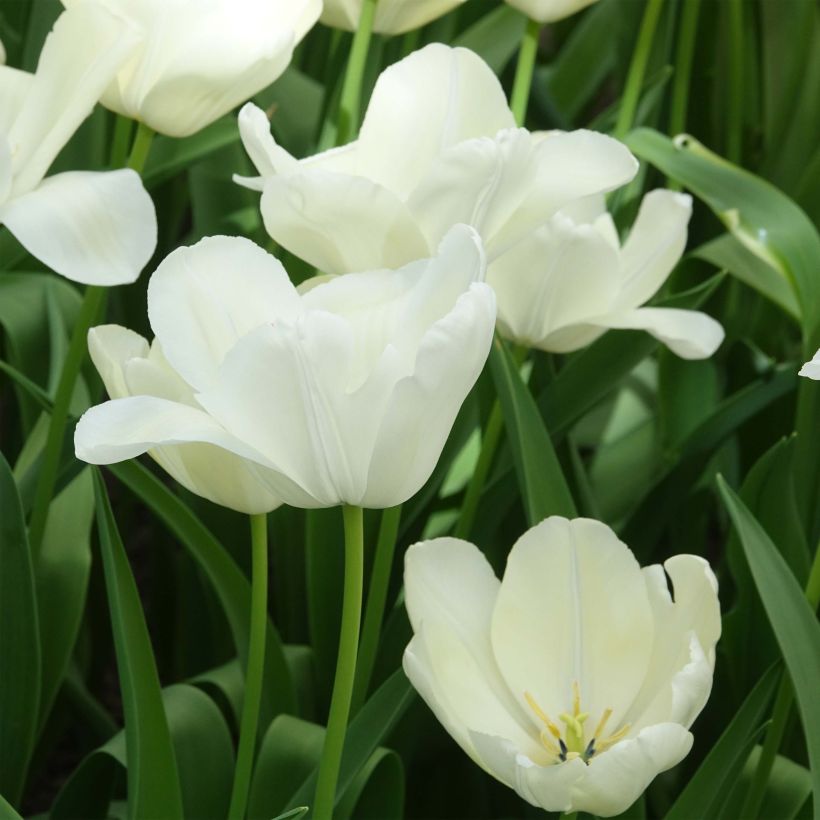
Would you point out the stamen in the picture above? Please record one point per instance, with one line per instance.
(599, 729)
(554, 730)
(576, 698)
(601, 745)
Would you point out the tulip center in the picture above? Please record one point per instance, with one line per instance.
(572, 742)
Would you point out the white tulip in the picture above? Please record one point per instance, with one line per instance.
(201, 58)
(573, 680)
(345, 394)
(548, 11)
(811, 369)
(438, 146)
(392, 16)
(92, 227)
(570, 280)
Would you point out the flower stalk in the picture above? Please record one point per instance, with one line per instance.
(520, 96)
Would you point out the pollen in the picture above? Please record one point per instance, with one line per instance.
(572, 742)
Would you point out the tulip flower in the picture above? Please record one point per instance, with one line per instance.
(548, 11)
(392, 16)
(343, 395)
(201, 58)
(98, 228)
(575, 678)
(811, 369)
(570, 280)
(437, 147)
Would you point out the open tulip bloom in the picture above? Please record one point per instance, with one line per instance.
(201, 58)
(343, 395)
(98, 228)
(438, 146)
(573, 680)
(570, 280)
(392, 16)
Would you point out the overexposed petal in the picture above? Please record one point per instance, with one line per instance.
(202, 299)
(689, 334)
(573, 608)
(340, 223)
(436, 97)
(617, 778)
(654, 246)
(98, 228)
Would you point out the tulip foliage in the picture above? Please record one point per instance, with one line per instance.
(408, 409)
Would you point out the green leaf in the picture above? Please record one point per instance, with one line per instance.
(495, 37)
(540, 478)
(229, 583)
(6, 810)
(153, 781)
(705, 792)
(20, 662)
(794, 623)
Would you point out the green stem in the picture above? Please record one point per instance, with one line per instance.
(523, 72)
(376, 599)
(734, 117)
(489, 444)
(345, 665)
(249, 725)
(139, 150)
(90, 309)
(352, 88)
(683, 66)
(781, 713)
(637, 68)
(123, 127)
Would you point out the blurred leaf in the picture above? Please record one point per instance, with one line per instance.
(731, 254)
(705, 792)
(294, 103)
(153, 780)
(229, 583)
(19, 642)
(495, 37)
(540, 478)
(6, 810)
(688, 392)
(794, 623)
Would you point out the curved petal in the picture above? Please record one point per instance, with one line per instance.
(573, 607)
(654, 246)
(111, 347)
(688, 333)
(15, 86)
(548, 11)
(202, 299)
(98, 228)
(679, 678)
(268, 157)
(617, 778)
(811, 369)
(66, 86)
(559, 275)
(416, 422)
(186, 442)
(436, 97)
(340, 223)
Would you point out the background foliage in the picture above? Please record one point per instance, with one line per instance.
(639, 434)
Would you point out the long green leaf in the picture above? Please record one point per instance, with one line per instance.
(541, 480)
(794, 623)
(20, 662)
(153, 781)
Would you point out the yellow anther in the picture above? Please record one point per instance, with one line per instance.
(599, 729)
(549, 744)
(576, 697)
(601, 745)
(554, 730)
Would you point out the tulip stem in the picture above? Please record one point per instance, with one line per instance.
(140, 148)
(781, 713)
(683, 66)
(352, 87)
(249, 725)
(489, 444)
(345, 665)
(523, 72)
(90, 308)
(376, 599)
(637, 68)
(120, 141)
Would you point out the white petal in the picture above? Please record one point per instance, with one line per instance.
(654, 246)
(195, 450)
(573, 607)
(268, 158)
(5, 168)
(98, 228)
(111, 347)
(548, 11)
(68, 82)
(679, 678)
(423, 407)
(339, 223)
(392, 16)
(811, 369)
(434, 98)
(559, 275)
(15, 86)
(205, 297)
(617, 778)
(688, 333)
